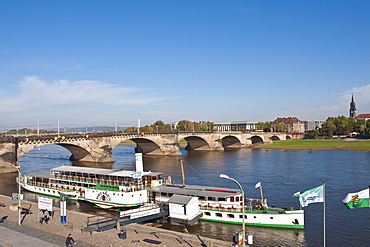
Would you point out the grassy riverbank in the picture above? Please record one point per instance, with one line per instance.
(319, 144)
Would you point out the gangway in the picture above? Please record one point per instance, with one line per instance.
(108, 221)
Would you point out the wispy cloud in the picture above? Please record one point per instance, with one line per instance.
(37, 97)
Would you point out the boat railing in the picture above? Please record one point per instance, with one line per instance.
(224, 207)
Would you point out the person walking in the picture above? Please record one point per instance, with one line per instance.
(70, 241)
(46, 216)
(41, 215)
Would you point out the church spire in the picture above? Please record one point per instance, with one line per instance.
(352, 109)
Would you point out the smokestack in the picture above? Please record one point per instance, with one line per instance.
(139, 162)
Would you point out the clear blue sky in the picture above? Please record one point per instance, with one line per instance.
(92, 63)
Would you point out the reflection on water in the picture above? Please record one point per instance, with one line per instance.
(281, 172)
(261, 235)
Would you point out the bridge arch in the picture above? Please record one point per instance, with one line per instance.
(196, 143)
(147, 146)
(78, 153)
(231, 142)
(274, 138)
(257, 140)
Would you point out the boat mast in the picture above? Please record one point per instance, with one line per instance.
(182, 173)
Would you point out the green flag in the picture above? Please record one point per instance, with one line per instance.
(357, 200)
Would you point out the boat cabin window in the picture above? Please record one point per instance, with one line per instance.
(230, 216)
(237, 198)
(207, 213)
(232, 199)
(201, 198)
(221, 199)
(241, 216)
(218, 214)
(210, 198)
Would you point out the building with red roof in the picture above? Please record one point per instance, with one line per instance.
(363, 117)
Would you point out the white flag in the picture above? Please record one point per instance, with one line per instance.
(258, 185)
(312, 196)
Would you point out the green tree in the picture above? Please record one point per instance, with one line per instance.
(167, 128)
(158, 126)
(265, 126)
(360, 125)
(328, 128)
(146, 128)
(280, 127)
(367, 129)
(313, 134)
(131, 129)
(185, 125)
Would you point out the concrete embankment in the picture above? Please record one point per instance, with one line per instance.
(32, 233)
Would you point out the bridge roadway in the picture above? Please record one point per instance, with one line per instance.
(97, 147)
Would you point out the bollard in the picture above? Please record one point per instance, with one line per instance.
(122, 235)
(250, 239)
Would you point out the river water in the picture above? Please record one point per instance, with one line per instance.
(282, 173)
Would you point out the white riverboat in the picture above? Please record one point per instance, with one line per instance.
(225, 205)
(105, 188)
(109, 188)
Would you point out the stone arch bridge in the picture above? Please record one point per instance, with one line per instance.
(97, 147)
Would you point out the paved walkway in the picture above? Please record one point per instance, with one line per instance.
(10, 237)
(32, 233)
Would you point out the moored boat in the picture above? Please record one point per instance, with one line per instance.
(109, 188)
(105, 188)
(225, 205)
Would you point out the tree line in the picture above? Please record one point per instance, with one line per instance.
(339, 126)
(183, 125)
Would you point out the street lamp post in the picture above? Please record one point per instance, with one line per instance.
(243, 209)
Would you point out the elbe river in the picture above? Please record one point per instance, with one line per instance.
(282, 173)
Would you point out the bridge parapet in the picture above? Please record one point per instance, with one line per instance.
(97, 147)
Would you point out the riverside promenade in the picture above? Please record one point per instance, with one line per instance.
(32, 233)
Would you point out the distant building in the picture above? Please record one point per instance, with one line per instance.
(312, 124)
(352, 109)
(234, 126)
(293, 124)
(363, 117)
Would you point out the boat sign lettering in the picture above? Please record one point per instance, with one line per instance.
(103, 196)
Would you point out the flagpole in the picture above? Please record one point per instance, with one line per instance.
(324, 214)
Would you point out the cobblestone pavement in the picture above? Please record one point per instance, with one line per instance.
(54, 233)
(10, 237)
